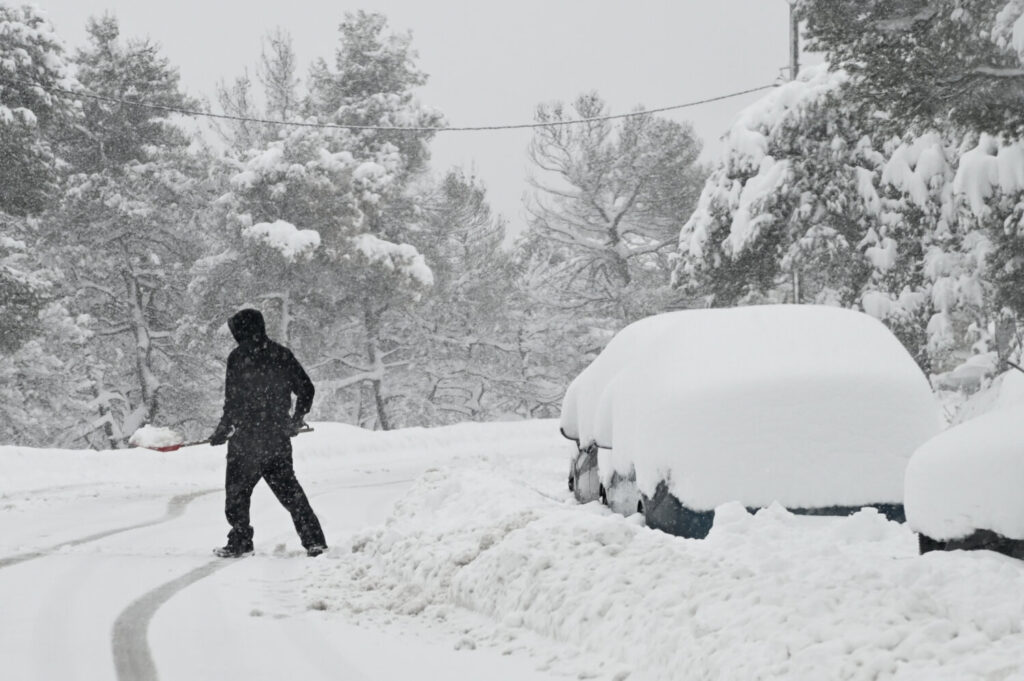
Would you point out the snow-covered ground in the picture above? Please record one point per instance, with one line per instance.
(457, 553)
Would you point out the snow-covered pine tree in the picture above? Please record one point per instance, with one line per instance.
(604, 215)
(813, 203)
(467, 364)
(955, 67)
(40, 342)
(280, 98)
(318, 221)
(373, 82)
(125, 231)
(32, 62)
(930, 64)
(607, 203)
(782, 216)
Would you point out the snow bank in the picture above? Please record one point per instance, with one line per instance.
(768, 596)
(970, 477)
(809, 406)
(153, 437)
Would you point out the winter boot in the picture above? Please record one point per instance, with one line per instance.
(315, 550)
(230, 551)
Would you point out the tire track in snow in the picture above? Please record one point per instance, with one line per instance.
(175, 508)
(133, 660)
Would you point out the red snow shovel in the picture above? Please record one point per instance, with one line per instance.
(174, 448)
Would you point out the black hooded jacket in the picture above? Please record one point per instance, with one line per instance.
(261, 377)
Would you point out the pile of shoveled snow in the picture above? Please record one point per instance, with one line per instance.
(770, 595)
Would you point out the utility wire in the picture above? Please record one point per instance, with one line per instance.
(72, 94)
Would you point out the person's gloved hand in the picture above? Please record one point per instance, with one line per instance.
(296, 424)
(220, 435)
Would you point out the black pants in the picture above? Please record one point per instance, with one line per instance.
(252, 456)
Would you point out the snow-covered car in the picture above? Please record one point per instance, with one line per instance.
(965, 486)
(580, 405)
(817, 408)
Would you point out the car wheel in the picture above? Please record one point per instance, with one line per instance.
(572, 483)
(926, 544)
(603, 495)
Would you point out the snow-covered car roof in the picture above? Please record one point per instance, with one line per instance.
(969, 478)
(581, 399)
(810, 406)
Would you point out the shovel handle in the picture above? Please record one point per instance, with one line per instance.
(174, 448)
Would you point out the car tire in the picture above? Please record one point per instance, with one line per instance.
(602, 494)
(926, 544)
(572, 483)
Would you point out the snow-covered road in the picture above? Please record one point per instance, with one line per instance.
(114, 579)
(457, 553)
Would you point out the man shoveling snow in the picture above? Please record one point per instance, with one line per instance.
(261, 377)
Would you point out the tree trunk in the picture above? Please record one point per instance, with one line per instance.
(108, 428)
(372, 323)
(286, 317)
(148, 382)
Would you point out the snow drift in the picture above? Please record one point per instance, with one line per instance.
(765, 596)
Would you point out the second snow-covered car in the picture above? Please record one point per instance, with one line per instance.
(817, 408)
(963, 486)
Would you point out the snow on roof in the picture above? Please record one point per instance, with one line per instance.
(970, 478)
(807, 405)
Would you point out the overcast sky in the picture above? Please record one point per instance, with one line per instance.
(491, 62)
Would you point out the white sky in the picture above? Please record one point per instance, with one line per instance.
(491, 62)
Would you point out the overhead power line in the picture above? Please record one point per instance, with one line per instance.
(72, 94)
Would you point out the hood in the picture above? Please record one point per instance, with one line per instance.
(248, 326)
